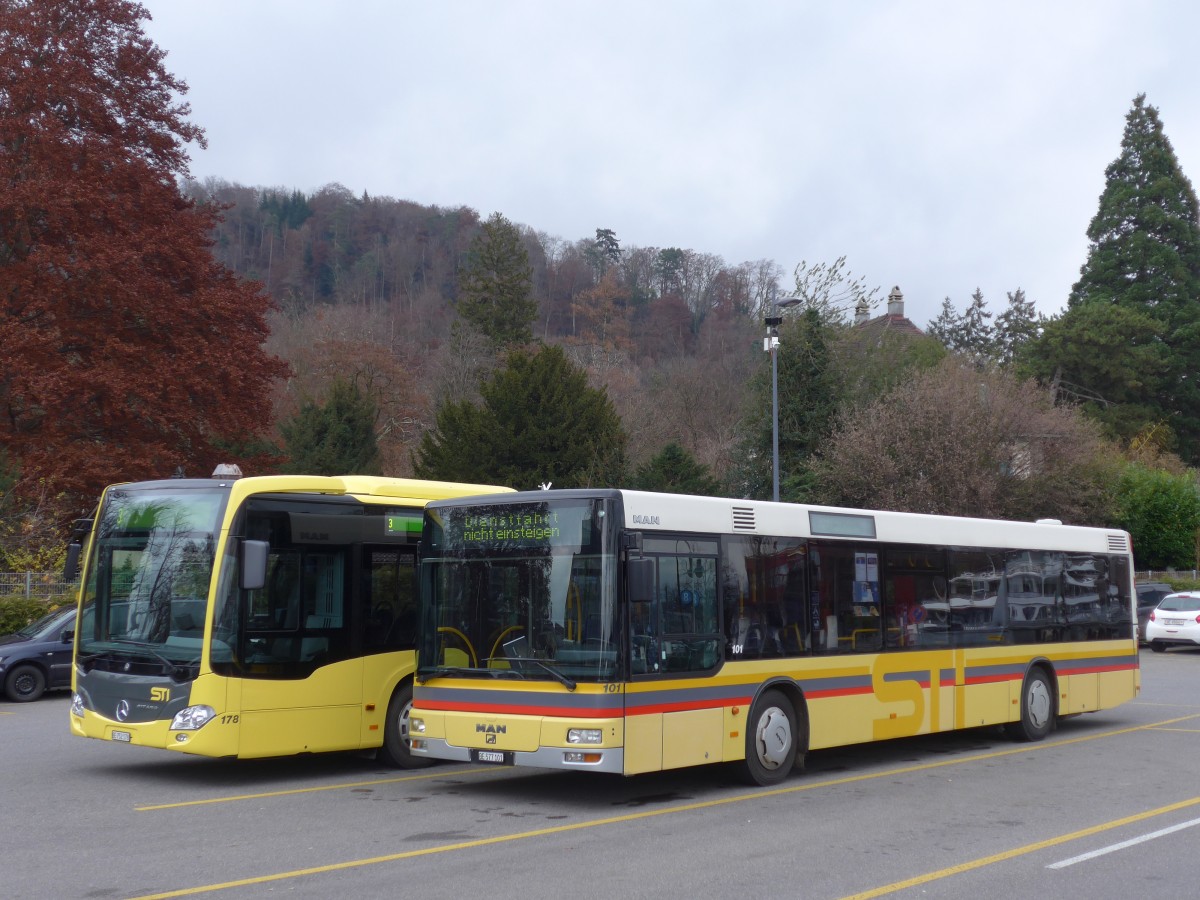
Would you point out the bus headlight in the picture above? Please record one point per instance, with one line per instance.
(77, 705)
(584, 735)
(192, 718)
(416, 726)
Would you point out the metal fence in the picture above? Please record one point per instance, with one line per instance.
(35, 585)
(1172, 575)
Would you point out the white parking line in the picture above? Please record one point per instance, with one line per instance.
(1121, 846)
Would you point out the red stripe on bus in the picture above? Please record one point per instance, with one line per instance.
(651, 708)
(992, 679)
(1091, 670)
(839, 692)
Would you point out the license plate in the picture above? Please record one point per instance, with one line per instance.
(1174, 622)
(496, 757)
(122, 736)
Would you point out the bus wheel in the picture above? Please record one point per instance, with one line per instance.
(1037, 708)
(395, 750)
(25, 683)
(770, 740)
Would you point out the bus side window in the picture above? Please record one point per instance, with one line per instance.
(388, 605)
(763, 592)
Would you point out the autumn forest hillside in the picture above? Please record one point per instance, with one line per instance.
(153, 325)
(366, 288)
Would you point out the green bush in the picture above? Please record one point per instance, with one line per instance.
(17, 612)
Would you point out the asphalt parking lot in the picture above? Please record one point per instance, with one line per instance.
(1106, 807)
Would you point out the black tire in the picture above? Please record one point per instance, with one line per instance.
(395, 750)
(1038, 708)
(771, 735)
(25, 683)
(1158, 646)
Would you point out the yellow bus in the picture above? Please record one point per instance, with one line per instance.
(629, 632)
(251, 617)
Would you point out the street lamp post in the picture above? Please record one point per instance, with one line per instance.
(771, 345)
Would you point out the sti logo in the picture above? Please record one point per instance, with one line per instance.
(160, 694)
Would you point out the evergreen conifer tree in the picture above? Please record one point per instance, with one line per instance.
(1144, 257)
(334, 438)
(1015, 327)
(675, 471)
(538, 422)
(978, 337)
(809, 394)
(496, 285)
(946, 326)
(970, 333)
(1144, 248)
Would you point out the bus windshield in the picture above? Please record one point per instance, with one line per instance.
(520, 591)
(151, 563)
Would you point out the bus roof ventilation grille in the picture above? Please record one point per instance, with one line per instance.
(743, 518)
(1117, 543)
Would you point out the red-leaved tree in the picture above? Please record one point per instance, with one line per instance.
(125, 349)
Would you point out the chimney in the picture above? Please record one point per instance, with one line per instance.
(896, 303)
(862, 312)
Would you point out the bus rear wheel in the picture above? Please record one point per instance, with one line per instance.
(770, 740)
(396, 750)
(1037, 708)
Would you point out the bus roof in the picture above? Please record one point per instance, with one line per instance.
(648, 511)
(415, 491)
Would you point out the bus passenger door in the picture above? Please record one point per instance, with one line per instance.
(673, 719)
(388, 611)
(303, 686)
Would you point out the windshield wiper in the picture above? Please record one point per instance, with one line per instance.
(545, 667)
(423, 677)
(178, 671)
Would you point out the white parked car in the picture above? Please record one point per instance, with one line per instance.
(1175, 621)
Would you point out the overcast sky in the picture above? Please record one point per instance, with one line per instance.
(938, 146)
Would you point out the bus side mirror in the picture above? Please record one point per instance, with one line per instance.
(639, 579)
(71, 566)
(252, 563)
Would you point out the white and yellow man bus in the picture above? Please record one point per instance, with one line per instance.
(629, 632)
(252, 617)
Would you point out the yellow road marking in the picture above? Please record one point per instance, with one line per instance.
(1020, 851)
(348, 785)
(709, 804)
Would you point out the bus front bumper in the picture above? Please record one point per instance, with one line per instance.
(591, 759)
(207, 741)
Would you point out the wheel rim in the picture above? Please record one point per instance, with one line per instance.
(773, 738)
(402, 723)
(25, 684)
(1039, 703)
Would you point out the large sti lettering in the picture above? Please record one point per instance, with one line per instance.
(900, 681)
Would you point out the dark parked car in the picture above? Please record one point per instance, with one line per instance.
(38, 657)
(1149, 593)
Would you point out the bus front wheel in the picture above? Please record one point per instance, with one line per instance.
(396, 750)
(1037, 708)
(770, 740)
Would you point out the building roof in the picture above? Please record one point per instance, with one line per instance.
(892, 322)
